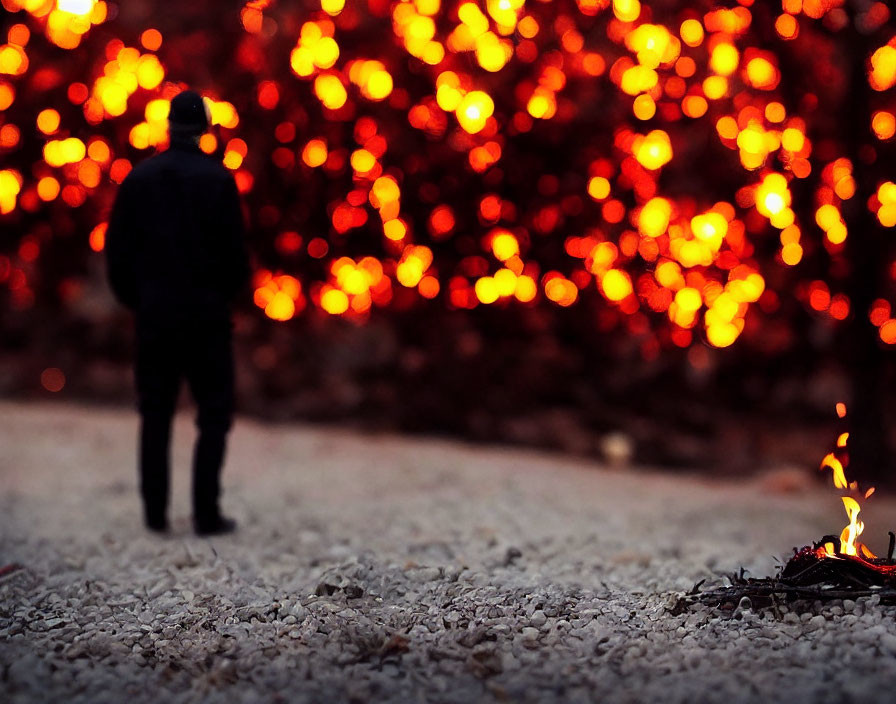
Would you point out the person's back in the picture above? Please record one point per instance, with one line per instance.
(183, 255)
(176, 257)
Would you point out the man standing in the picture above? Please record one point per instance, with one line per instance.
(176, 256)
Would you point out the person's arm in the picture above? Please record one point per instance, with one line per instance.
(234, 237)
(121, 265)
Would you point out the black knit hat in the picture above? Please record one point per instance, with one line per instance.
(187, 114)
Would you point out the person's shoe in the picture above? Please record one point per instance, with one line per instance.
(220, 526)
(157, 525)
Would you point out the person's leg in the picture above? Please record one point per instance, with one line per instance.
(157, 384)
(211, 378)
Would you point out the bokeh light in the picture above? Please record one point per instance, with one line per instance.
(666, 166)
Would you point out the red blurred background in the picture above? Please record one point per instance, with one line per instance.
(595, 225)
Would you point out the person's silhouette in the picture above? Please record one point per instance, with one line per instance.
(176, 256)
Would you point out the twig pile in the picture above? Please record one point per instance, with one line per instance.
(811, 574)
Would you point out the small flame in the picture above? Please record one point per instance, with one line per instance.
(837, 466)
(849, 544)
(854, 529)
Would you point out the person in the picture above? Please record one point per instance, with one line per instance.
(176, 256)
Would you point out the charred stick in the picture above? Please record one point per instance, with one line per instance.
(890, 549)
(735, 593)
(696, 588)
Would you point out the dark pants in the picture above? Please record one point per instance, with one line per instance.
(200, 351)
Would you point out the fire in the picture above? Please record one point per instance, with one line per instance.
(849, 544)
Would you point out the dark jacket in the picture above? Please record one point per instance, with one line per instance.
(175, 246)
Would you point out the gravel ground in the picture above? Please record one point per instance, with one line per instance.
(388, 569)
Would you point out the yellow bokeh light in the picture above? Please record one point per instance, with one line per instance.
(65, 151)
(691, 32)
(653, 44)
(727, 127)
(653, 150)
(332, 7)
(493, 53)
(722, 335)
(415, 260)
(315, 153)
(638, 79)
(334, 301)
(688, 299)
(773, 202)
(281, 307)
(76, 7)
(837, 234)
(715, 87)
(379, 85)
(505, 282)
(786, 26)
(384, 192)
(301, 60)
(395, 229)
(362, 161)
(791, 253)
(7, 95)
(505, 245)
(542, 104)
(616, 285)
(627, 10)
(474, 110)
(710, 228)
(486, 290)
(13, 60)
(48, 121)
(222, 113)
(654, 217)
(724, 59)
(326, 52)
(775, 112)
(10, 186)
(561, 291)
(793, 140)
(883, 68)
(668, 275)
(694, 106)
(48, 188)
(773, 198)
(886, 194)
(157, 110)
(886, 215)
(828, 216)
(884, 124)
(598, 188)
(208, 143)
(762, 73)
(644, 107)
(528, 27)
(150, 72)
(98, 150)
(526, 289)
(330, 91)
